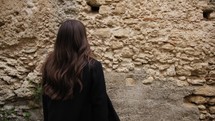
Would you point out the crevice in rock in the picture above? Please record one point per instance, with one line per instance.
(2, 23)
(211, 1)
(207, 12)
(16, 13)
(94, 7)
(61, 1)
(186, 98)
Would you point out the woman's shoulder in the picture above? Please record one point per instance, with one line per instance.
(94, 64)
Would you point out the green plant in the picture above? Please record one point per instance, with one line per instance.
(5, 115)
(38, 94)
(27, 115)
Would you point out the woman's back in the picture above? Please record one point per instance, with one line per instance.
(88, 105)
(73, 82)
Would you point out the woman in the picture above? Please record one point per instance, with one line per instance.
(73, 82)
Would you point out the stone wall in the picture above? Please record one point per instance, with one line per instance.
(158, 55)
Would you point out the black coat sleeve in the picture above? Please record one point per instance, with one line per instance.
(44, 97)
(45, 108)
(98, 94)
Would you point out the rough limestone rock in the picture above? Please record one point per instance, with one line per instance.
(151, 101)
(95, 3)
(154, 53)
(205, 91)
(212, 109)
(198, 99)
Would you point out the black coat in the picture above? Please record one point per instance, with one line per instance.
(91, 104)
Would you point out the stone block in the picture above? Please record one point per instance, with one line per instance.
(168, 47)
(181, 83)
(197, 81)
(116, 45)
(202, 116)
(182, 78)
(171, 71)
(198, 99)
(130, 82)
(120, 33)
(201, 107)
(127, 52)
(212, 74)
(103, 33)
(212, 109)
(149, 80)
(119, 9)
(6, 94)
(212, 101)
(182, 72)
(104, 10)
(205, 91)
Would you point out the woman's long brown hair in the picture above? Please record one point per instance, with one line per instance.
(63, 67)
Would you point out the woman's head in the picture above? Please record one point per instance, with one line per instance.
(63, 68)
(71, 39)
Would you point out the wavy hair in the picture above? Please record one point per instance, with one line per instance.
(63, 68)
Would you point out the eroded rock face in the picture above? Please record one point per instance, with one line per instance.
(159, 100)
(27, 32)
(151, 41)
